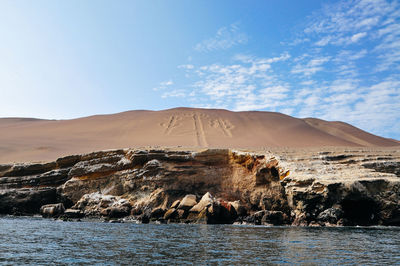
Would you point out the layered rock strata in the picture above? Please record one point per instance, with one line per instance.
(308, 187)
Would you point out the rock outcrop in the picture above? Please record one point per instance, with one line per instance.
(298, 187)
(52, 210)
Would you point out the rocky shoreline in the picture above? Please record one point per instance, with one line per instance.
(335, 187)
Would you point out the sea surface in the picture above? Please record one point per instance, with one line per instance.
(40, 241)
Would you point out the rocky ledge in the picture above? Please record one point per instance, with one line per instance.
(304, 188)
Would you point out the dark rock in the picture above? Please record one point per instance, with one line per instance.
(26, 200)
(300, 220)
(257, 217)
(331, 215)
(249, 219)
(28, 169)
(392, 217)
(273, 217)
(145, 216)
(67, 161)
(240, 209)
(157, 213)
(221, 213)
(118, 212)
(170, 214)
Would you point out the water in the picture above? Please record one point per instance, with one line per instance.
(41, 241)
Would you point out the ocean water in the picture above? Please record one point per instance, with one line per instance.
(40, 241)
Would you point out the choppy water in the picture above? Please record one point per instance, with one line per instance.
(42, 241)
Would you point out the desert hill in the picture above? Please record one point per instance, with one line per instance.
(28, 139)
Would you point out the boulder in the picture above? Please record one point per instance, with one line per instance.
(73, 213)
(52, 210)
(118, 212)
(205, 201)
(228, 206)
(145, 216)
(95, 204)
(220, 213)
(170, 214)
(331, 215)
(175, 204)
(187, 202)
(273, 218)
(256, 217)
(239, 208)
(157, 213)
(300, 220)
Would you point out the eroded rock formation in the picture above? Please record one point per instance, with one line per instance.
(336, 187)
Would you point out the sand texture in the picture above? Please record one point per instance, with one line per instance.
(27, 139)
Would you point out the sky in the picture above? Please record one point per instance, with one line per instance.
(334, 60)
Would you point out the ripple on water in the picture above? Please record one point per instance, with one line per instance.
(42, 241)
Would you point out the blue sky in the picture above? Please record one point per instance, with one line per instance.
(335, 60)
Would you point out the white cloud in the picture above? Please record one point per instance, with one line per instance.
(163, 85)
(307, 82)
(313, 66)
(167, 83)
(248, 83)
(358, 36)
(324, 41)
(225, 38)
(343, 85)
(348, 55)
(349, 16)
(187, 66)
(173, 93)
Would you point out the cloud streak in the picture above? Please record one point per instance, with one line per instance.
(225, 38)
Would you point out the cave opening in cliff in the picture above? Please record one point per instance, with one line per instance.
(360, 211)
(275, 173)
(266, 175)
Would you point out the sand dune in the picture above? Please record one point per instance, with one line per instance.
(27, 139)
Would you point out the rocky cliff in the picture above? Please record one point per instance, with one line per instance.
(299, 187)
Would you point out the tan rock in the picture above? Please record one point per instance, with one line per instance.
(187, 202)
(73, 213)
(205, 201)
(175, 204)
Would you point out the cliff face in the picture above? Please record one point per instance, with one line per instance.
(213, 186)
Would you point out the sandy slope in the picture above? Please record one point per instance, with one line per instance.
(25, 139)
